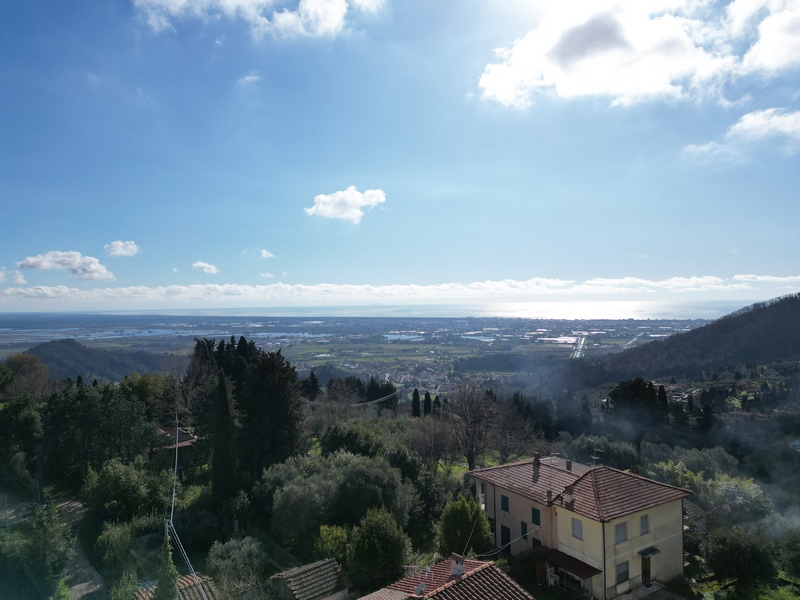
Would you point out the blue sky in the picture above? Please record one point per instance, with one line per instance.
(254, 153)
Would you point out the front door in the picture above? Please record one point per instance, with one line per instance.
(505, 537)
(645, 569)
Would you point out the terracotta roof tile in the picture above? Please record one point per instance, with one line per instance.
(604, 494)
(187, 589)
(313, 581)
(438, 576)
(527, 479)
(600, 493)
(482, 584)
(480, 581)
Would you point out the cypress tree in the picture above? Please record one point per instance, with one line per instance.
(415, 403)
(426, 406)
(223, 458)
(167, 588)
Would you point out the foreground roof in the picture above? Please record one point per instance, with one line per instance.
(313, 581)
(188, 589)
(480, 581)
(600, 493)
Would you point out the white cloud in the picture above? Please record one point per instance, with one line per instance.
(250, 79)
(18, 278)
(120, 248)
(83, 267)
(778, 44)
(347, 204)
(205, 267)
(632, 51)
(712, 151)
(266, 253)
(752, 127)
(767, 278)
(312, 18)
(747, 286)
(267, 275)
(771, 122)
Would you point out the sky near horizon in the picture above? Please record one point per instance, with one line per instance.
(165, 154)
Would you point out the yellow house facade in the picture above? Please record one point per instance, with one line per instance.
(605, 531)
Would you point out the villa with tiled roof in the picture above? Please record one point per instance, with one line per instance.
(605, 531)
(454, 579)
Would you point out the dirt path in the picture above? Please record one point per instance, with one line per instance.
(83, 581)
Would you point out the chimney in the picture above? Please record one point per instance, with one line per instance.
(536, 458)
(569, 465)
(456, 565)
(568, 494)
(549, 497)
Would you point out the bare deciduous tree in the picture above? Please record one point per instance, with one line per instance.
(473, 413)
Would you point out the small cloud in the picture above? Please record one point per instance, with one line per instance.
(205, 267)
(771, 122)
(120, 248)
(753, 127)
(767, 278)
(266, 253)
(347, 205)
(220, 41)
(83, 267)
(18, 278)
(267, 275)
(306, 18)
(250, 79)
(174, 269)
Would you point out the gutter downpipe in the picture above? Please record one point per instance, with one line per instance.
(494, 512)
(604, 559)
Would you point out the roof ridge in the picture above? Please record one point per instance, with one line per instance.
(454, 580)
(597, 496)
(647, 479)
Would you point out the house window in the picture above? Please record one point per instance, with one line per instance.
(622, 572)
(535, 542)
(504, 503)
(621, 532)
(577, 528)
(523, 530)
(536, 517)
(644, 524)
(505, 537)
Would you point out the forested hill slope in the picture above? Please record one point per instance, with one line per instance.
(758, 334)
(68, 358)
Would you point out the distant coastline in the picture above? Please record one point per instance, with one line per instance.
(566, 310)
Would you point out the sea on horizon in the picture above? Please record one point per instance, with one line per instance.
(562, 310)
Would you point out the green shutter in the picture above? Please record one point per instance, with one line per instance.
(536, 518)
(523, 527)
(504, 503)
